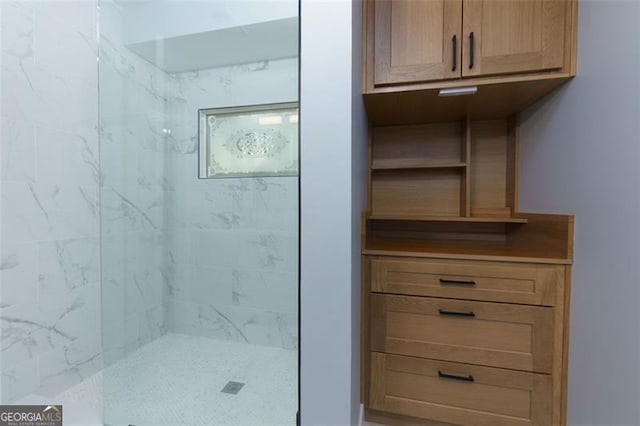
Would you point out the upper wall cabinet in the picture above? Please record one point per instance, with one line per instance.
(422, 41)
(506, 53)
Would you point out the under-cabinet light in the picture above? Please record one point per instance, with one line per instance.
(459, 91)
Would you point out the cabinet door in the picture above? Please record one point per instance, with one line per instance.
(507, 36)
(414, 40)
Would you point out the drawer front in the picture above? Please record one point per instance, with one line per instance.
(459, 393)
(518, 337)
(490, 281)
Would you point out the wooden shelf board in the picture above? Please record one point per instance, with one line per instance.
(468, 250)
(472, 219)
(401, 164)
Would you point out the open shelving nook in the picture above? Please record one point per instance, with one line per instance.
(451, 188)
(463, 170)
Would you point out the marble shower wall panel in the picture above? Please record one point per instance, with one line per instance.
(18, 151)
(49, 182)
(233, 243)
(133, 149)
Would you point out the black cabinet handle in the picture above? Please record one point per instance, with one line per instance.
(442, 375)
(445, 281)
(472, 48)
(454, 41)
(456, 313)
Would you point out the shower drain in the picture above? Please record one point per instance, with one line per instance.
(232, 388)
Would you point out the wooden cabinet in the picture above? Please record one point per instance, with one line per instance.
(458, 283)
(417, 41)
(465, 299)
(510, 52)
(490, 348)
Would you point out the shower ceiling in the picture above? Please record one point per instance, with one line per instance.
(216, 34)
(212, 49)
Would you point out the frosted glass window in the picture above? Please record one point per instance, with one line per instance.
(260, 140)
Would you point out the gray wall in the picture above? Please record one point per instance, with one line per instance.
(580, 155)
(332, 193)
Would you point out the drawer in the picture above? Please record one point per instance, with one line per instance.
(501, 335)
(458, 393)
(491, 281)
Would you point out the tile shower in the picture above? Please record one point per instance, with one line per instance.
(112, 248)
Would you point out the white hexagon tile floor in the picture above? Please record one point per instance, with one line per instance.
(176, 380)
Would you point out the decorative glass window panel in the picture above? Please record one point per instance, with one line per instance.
(259, 140)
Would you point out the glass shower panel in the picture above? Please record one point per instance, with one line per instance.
(199, 271)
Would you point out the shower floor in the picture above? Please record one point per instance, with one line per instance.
(177, 379)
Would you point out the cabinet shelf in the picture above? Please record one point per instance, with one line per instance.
(470, 219)
(409, 164)
(547, 238)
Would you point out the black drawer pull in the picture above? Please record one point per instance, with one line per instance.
(445, 281)
(460, 314)
(442, 375)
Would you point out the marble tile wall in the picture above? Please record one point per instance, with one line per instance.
(133, 98)
(49, 190)
(52, 177)
(233, 243)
